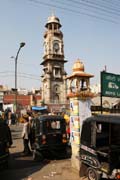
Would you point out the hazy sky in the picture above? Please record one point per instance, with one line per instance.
(91, 31)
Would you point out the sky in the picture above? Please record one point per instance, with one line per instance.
(91, 30)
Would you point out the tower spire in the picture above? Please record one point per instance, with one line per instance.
(53, 12)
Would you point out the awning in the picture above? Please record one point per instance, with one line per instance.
(39, 108)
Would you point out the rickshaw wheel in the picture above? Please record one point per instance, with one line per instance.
(92, 174)
(37, 156)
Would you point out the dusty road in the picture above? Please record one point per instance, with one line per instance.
(24, 168)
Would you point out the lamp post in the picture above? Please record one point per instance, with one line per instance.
(22, 44)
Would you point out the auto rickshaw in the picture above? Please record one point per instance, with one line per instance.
(5, 143)
(100, 147)
(50, 136)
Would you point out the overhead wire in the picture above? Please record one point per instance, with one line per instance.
(22, 76)
(94, 10)
(91, 5)
(103, 6)
(86, 6)
(72, 10)
(11, 73)
(112, 3)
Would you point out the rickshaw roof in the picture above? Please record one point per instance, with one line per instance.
(115, 119)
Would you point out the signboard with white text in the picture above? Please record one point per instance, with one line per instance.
(110, 84)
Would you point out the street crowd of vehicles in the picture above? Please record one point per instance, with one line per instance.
(99, 143)
(100, 147)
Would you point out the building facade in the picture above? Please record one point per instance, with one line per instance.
(53, 77)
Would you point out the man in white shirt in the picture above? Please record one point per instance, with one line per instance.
(25, 136)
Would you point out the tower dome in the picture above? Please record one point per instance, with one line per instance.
(78, 67)
(53, 19)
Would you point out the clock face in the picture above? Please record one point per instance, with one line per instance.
(56, 46)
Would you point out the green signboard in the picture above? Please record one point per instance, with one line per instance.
(110, 84)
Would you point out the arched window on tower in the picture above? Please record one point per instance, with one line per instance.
(56, 88)
(50, 27)
(56, 98)
(56, 91)
(57, 72)
(55, 26)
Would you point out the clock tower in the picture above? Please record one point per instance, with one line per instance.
(53, 77)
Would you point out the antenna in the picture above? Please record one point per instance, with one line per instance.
(53, 12)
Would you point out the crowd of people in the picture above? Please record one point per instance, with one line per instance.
(8, 118)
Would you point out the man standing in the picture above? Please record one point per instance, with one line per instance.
(25, 136)
(31, 132)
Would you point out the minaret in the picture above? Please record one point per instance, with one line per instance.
(53, 77)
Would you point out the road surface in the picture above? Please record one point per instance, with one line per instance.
(24, 168)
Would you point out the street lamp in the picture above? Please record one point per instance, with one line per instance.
(22, 44)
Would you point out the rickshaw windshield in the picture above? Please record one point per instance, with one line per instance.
(102, 134)
(52, 126)
(107, 134)
(115, 134)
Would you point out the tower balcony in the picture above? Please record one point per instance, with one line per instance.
(53, 56)
(56, 33)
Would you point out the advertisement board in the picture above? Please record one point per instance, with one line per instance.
(84, 111)
(74, 107)
(75, 123)
(110, 84)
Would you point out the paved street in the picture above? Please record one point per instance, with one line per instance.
(24, 168)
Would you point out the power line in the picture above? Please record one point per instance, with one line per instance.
(21, 76)
(29, 74)
(28, 77)
(113, 3)
(28, 64)
(91, 5)
(78, 6)
(94, 9)
(102, 5)
(5, 73)
(73, 11)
